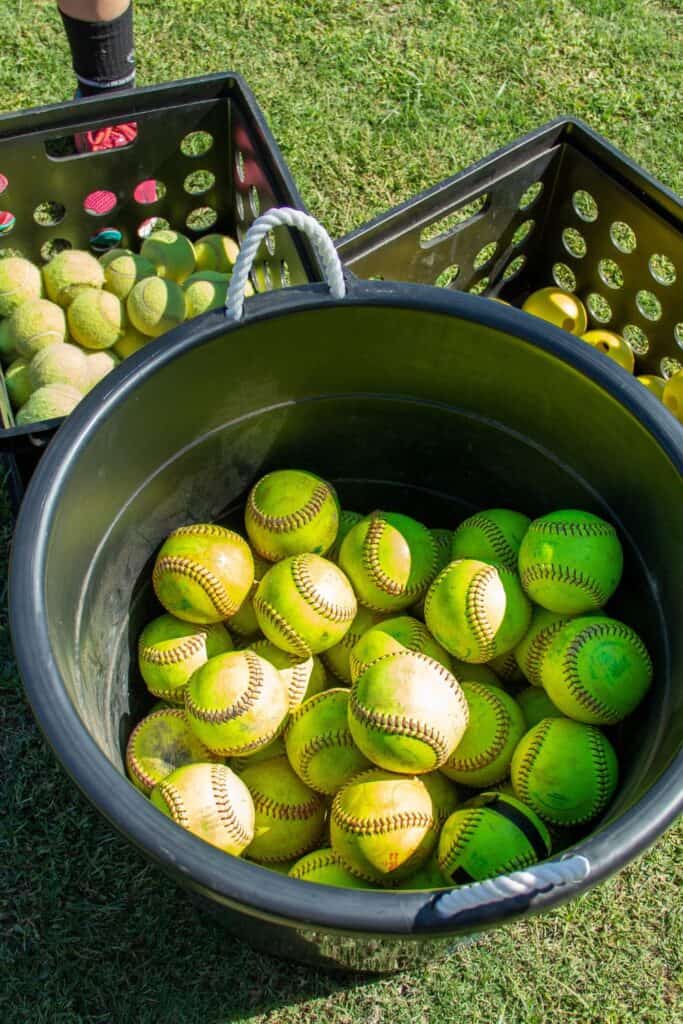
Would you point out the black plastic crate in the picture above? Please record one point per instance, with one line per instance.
(560, 205)
(210, 125)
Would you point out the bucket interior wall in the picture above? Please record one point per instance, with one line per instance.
(403, 409)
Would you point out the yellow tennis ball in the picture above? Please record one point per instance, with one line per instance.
(276, 748)
(236, 703)
(171, 253)
(48, 403)
(69, 273)
(96, 319)
(289, 816)
(303, 677)
(216, 252)
(290, 512)
(613, 346)
(18, 382)
(465, 672)
(379, 823)
(338, 658)
(155, 306)
(533, 645)
(160, 743)
(391, 636)
(210, 801)
(558, 307)
(305, 604)
(20, 281)
(244, 622)
(123, 269)
(407, 713)
(655, 385)
(98, 365)
(170, 650)
(494, 535)
(496, 725)
(60, 364)
(131, 342)
(672, 395)
(324, 867)
(347, 520)
(203, 572)
(476, 610)
(535, 705)
(205, 290)
(319, 743)
(34, 325)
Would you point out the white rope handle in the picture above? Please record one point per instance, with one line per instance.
(319, 238)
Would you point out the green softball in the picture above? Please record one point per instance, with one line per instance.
(566, 771)
(507, 669)
(303, 677)
(276, 748)
(244, 622)
(477, 611)
(494, 535)
(491, 835)
(203, 573)
(170, 650)
(570, 561)
(407, 713)
(324, 867)
(393, 636)
(444, 796)
(305, 604)
(536, 704)
(496, 725)
(429, 876)
(289, 817)
(290, 512)
(390, 559)
(347, 520)
(338, 658)
(211, 802)
(160, 743)
(236, 703)
(319, 744)
(465, 672)
(596, 670)
(530, 651)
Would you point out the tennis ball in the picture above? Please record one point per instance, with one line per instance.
(60, 363)
(7, 351)
(305, 604)
(19, 282)
(570, 561)
(216, 252)
(407, 713)
(443, 540)
(319, 743)
(477, 611)
(566, 771)
(390, 559)
(203, 572)
(530, 650)
(290, 512)
(303, 677)
(496, 725)
(18, 382)
(210, 801)
(96, 319)
(158, 745)
(204, 291)
(34, 325)
(69, 273)
(170, 650)
(289, 816)
(276, 748)
(338, 658)
(378, 825)
(560, 308)
(672, 395)
(392, 636)
(123, 269)
(494, 535)
(324, 867)
(131, 342)
(156, 306)
(244, 621)
(346, 521)
(466, 672)
(48, 403)
(236, 703)
(98, 365)
(655, 385)
(172, 254)
(536, 704)
(491, 835)
(613, 346)
(596, 670)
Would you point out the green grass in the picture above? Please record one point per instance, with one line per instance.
(371, 102)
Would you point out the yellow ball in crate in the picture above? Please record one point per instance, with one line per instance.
(559, 308)
(672, 396)
(613, 346)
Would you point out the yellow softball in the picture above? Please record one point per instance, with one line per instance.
(347, 520)
(443, 539)
(338, 658)
(391, 636)
(324, 867)
(303, 677)
(170, 650)
(289, 817)
(244, 622)
(496, 725)
(319, 743)
(276, 748)
(529, 652)
(290, 512)
(160, 743)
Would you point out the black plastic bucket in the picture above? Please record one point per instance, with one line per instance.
(425, 401)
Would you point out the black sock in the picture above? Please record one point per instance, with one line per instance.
(103, 52)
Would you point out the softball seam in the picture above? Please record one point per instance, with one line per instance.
(245, 702)
(305, 585)
(378, 826)
(602, 779)
(293, 520)
(573, 529)
(174, 802)
(279, 623)
(224, 807)
(571, 675)
(476, 612)
(199, 574)
(500, 738)
(272, 808)
(400, 725)
(315, 863)
(187, 647)
(133, 758)
(207, 530)
(502, 548)
(325, 741)
(461, 840)
(537, 650)
(541, 572)
(526, 763)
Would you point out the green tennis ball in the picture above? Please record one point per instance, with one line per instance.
(324, 867)
(170, 651)
(158, 745)
(131, 342)
(303, 677)
(496, 725)
(34, 325)
(244, 622)
(566, 771)
(290, 512)
(338, 658)
(48, 403)
(494, 535)
(19, 282)
(96, 319)
(570, 561)
(465, 672)
(392, 636)
(491, 835)
(172, 254)
(536, 704)
(305, 604)
(98, 365)
(123, 269)
(69, 273)
(236, 703)
(346, 521)
(18, 382)
(596, 670)
(476, 610)
(7, 350)
(60, 364)
(319, 743)
(390, 559)
(443, 540)
(155, 306)
(216, 252)
(289, 816)
(530, 651)
(204, 291)
(407, 713)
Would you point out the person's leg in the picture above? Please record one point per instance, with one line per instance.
(100, 34)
